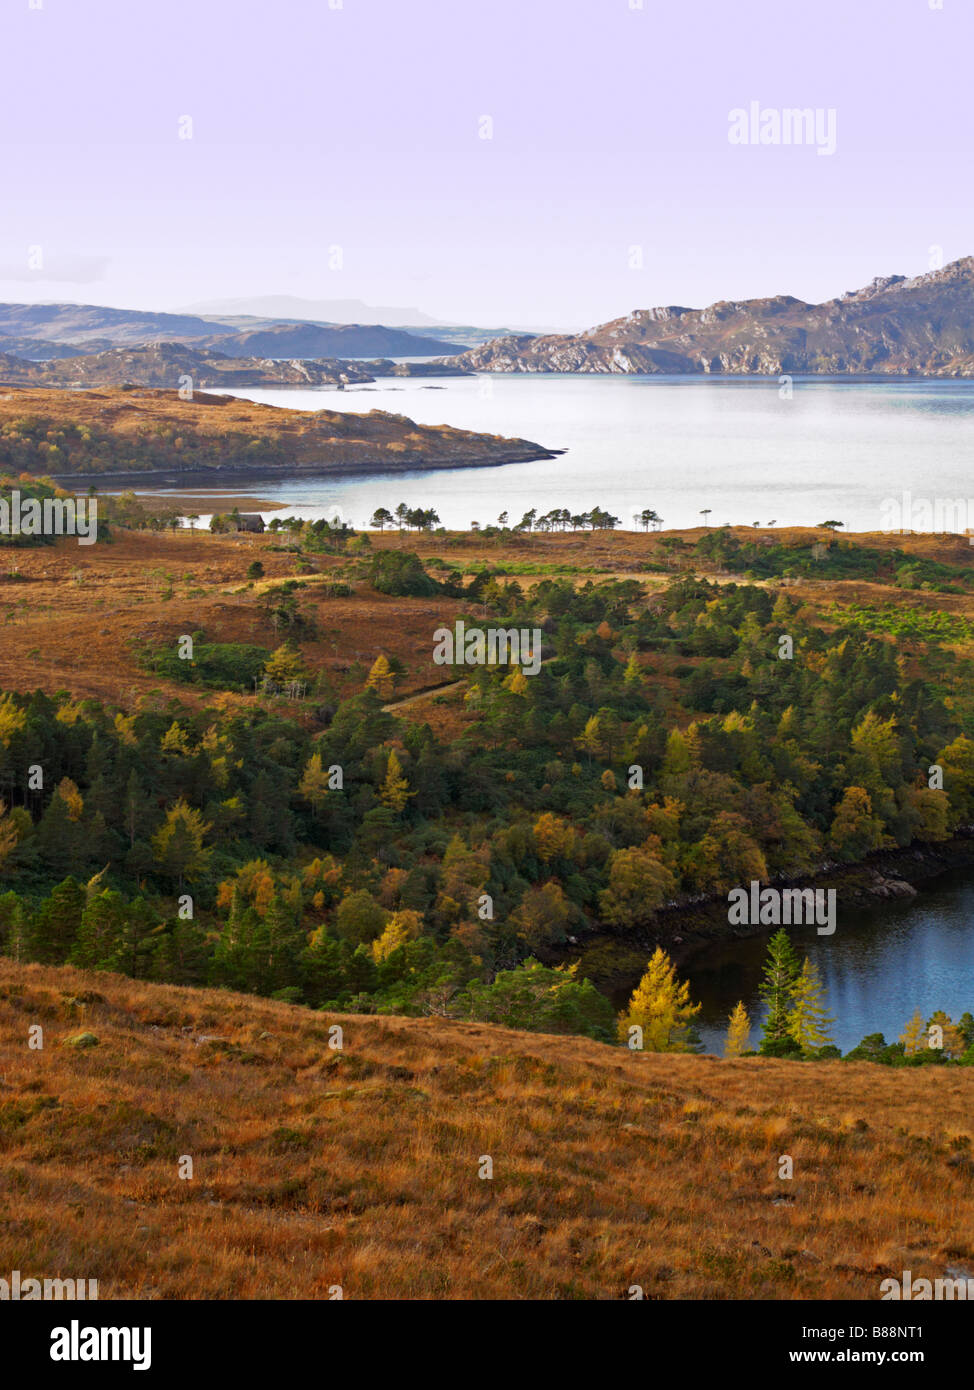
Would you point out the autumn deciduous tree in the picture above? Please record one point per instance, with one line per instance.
(516, 682)
(72, 798)
(661, 1007)
(178, 844)
(738, 1031)
(174, 740)
(12, 720)
(729, 855)
(394, 791)
(401, 927)
(808, 1022)
(553, 837)
(590, 739)
(855, 830)
(359, 918)
(381, 678)
(8, 835)
(286, 664)
(639, 883)
(543, 915)
(314, 782)
(957, 761)
(633, 677)
(914, 1035)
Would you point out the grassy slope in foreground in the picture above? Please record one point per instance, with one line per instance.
(359, 1167)
(118, 432)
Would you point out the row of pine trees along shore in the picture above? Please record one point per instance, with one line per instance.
(338, 857)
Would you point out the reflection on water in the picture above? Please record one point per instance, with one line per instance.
(879, 967)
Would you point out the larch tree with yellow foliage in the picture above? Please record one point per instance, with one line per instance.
(12, 720)
(178, 844)
(401, 927)
(808, 1023)
(738, 1038)
(394, 791)
(72, 798)
(661, 1007)
(948, 1040)
(174, 740)
(8, 835)
(633, 676)
(554, 837)
(314, 782)
(914, 1035)
(516, 682)
(382, 678)
(590, 739)
(286, 664)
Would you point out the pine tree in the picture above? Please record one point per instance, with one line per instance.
(20, 934)
(136, 940)
(179, 954)
(738, 1031)
(57, 922)
(809, 1024)
(660, 1006)
(134, 806)
(100, 943)
(781, 974)
(58, 839)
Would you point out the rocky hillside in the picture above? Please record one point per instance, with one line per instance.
(165, 364)
(894, 327)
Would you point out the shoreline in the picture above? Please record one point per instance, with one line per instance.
(240, 473)
(685, 929)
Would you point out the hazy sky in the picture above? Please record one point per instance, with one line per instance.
(338, 152)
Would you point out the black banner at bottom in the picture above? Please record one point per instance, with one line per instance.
(172, 1339)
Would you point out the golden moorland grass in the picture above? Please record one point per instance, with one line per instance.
(76, 616)
(315, 1167)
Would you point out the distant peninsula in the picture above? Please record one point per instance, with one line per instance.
(138, 433)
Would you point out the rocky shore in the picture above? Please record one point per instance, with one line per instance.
(614, 961)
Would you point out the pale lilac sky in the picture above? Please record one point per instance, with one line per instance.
(358, 127)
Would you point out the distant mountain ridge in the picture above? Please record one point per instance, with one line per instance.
(895, 326)
(167, 364)
(240, 314)
(337, 340)
(80, 324)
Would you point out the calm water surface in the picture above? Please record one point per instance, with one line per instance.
(836, 449)
(879, 967)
